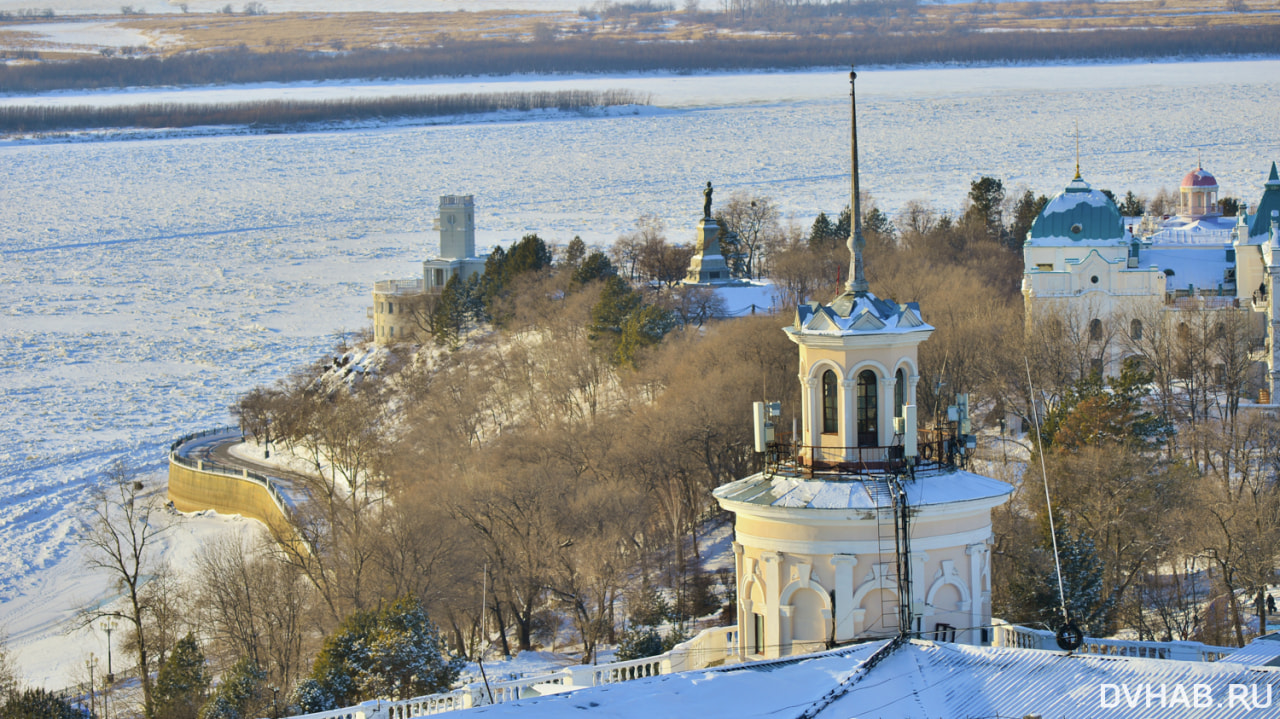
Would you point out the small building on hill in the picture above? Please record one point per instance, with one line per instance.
(399, 305)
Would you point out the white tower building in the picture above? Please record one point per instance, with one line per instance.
(861, 527)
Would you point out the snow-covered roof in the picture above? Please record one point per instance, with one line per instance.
(853, 314)
(922, 679)
(1201, 230)
(929, 488)
(1263, 651)
(1200, 179)
(1202, 266)
(1078, 214)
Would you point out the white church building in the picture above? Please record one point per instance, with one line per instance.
(1110, 276)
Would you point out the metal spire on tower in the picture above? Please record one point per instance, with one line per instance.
(1077, 149)
(857, 283)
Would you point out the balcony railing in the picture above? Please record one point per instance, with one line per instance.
(933, 449)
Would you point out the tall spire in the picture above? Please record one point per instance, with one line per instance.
(1077, 149)
(857, 283)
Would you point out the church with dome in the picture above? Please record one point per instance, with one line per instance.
(861, 525)
(1108, 277)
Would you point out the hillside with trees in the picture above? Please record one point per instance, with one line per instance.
(552, 446)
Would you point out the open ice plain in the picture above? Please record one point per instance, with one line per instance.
(146, 283)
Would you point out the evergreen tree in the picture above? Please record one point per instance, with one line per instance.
(640, 641)
(182, 682)
(575, 252)
(449, 318)
(1091, 413)
(843, 229)
(1025, 213)
(39, 704)
(877, 225)
(239, 695)
(1133, 206)
(596, 266)
(822, 234)
(1082, 583)
(392, 654)
(986, 197)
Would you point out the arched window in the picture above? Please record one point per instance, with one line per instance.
(899, 392)
(1095, 330)
(830, 422)
(867, 436)
(1135, 329)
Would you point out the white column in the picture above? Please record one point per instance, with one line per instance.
(918, 587)
(772, 595)
(884, 411)
(844, 564)
(743, 600)
(806, 410)
(912, 381)
(977, 594)
(848, 425)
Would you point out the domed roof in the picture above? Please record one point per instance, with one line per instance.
(1078, 214)
(1199, 177)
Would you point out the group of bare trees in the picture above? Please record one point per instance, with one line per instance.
(527, 466)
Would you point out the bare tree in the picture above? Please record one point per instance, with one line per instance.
(755, 220)
(121, 535)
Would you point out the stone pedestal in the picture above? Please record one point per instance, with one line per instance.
(707, 266)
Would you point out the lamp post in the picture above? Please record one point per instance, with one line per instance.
(89, 664)
(275, 694)
(266, 447)
(108, 626)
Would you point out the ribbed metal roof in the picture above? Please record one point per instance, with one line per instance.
(927, 680)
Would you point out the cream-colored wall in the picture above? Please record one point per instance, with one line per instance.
(394, 317)
(884, 355)
(808, 598)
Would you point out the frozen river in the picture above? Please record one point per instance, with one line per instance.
(146, 283)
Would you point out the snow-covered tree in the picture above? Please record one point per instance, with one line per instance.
(182, 682)
(392, 654)
(240, 695)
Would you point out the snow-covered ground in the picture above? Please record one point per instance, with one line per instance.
(146, 283)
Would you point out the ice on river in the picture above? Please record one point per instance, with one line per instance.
(146, 283)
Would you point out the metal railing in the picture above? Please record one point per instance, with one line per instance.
(933, 450)
(391, 287)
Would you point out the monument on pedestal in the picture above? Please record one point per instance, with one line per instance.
(707, 266)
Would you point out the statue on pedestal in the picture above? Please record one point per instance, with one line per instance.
(706, 203)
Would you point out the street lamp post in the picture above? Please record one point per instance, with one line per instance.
(108, 626)
(89, 664)
(275, 694)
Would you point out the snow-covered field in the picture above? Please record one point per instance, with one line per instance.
(146, 283)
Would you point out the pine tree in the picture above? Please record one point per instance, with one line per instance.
(182, 682)
(1025, 213)
(986, 196)
(1133, 206)
(575, 252)
(39, 704)
(596, 266)
(239, 695)
(393, 654)
(822, 234)
(843, 229)
(1082, 582)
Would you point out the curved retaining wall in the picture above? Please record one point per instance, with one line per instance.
(198, 485)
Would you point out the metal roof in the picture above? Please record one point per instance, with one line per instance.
(1078, 214)
(1260, 224)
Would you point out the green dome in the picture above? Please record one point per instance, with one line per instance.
(1078, 214)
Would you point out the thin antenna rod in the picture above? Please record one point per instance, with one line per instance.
(857, 280)
(484, 600)
(1044, 474)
